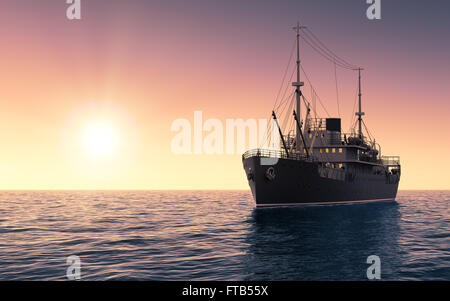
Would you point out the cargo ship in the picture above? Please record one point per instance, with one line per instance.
(315, 162)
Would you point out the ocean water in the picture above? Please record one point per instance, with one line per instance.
(219, 235)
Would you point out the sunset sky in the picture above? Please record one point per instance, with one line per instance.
(128, 69)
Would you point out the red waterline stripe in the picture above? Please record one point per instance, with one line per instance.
(321, 203)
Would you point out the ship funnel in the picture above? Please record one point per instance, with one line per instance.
(333, 124)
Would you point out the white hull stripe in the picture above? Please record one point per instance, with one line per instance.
(322, 203)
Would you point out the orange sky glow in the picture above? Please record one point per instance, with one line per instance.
(127, 70)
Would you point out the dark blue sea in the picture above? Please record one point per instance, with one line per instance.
(219, 235)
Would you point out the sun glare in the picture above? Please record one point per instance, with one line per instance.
(100, 140)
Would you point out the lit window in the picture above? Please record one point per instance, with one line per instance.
(340, 165)
(322, 135)
(333, 150)
(327, 150)
(304, 150)
(340, 150)
(320, 150)
(310, 135)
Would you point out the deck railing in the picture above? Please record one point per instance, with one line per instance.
(390, 160)
(273, 153)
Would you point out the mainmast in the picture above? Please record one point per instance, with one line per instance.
(359, 113)
(298, 84)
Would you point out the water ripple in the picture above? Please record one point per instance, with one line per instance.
(218, 235)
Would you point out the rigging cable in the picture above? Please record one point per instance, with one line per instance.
(280, 113)
(308, 102)
(288, 114)
(265, 137)
(337, 90)
(326, 49)
(354, 109)
(315, 93)
(285, 73)
(372, 138)
(321, 52)
(316, 44)
(311, 39)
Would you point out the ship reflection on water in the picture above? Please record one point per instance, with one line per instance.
(323, 242)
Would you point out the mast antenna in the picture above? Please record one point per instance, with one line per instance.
(359, 113)
(298, 84)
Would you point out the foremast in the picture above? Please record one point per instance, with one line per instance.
(298, 91)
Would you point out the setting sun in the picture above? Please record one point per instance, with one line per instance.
(100, 139)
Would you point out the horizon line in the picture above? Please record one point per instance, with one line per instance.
(30, 190)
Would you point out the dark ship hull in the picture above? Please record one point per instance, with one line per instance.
(315, 162)
(297, 182)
